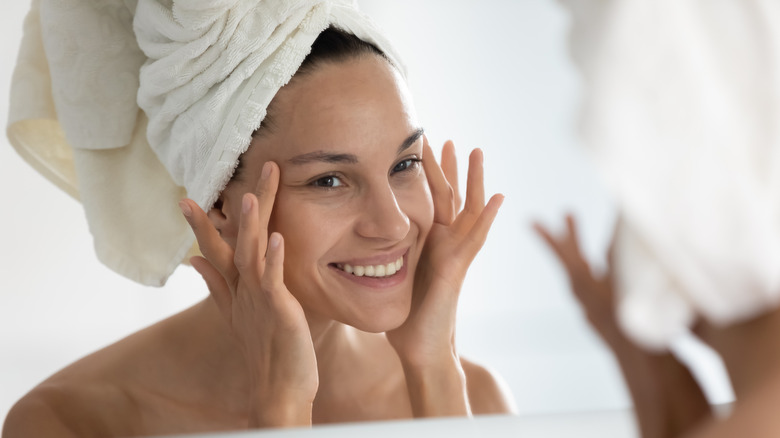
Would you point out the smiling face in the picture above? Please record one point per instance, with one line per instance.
(353, 202)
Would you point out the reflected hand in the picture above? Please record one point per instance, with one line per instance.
(268, 322)
(667, 399)
(426, 340)
(594, 292)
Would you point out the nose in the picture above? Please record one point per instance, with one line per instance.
(382, 217)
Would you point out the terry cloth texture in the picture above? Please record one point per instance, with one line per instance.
(131, 105)
(681, 114)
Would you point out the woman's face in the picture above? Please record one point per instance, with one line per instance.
(353, 202)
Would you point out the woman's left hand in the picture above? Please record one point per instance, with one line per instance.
(425, 343)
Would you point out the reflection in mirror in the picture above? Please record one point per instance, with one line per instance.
(499, 80)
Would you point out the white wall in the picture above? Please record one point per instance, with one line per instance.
(496, 78)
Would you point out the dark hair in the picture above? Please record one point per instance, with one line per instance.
(331, 45)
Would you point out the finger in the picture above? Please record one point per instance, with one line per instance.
(441, 192)
(545, 234)
(567, 250)
(216, 250)
(475, 187)
(611, 251)
(449, 165)
(573, 236)
(576, 265)
(249, 247)
(266, 196)
(218, 288)
(274, 275)
(479, 231)
(253, 229)
(583, 284)
(273, 279)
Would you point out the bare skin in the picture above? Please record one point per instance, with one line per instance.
(285, 338)
(187, 374)
(751, 352)
(667, 400)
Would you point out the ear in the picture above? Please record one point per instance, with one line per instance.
(219, 216)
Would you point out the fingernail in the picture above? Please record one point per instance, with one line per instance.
(274, 241)
(185, 209)
(246, 203)
(266, 170)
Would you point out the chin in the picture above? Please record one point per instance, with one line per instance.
(382, 321)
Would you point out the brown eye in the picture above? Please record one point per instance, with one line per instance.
(329, 181)
(407, 164)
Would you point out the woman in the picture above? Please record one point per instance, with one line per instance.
(334, 257)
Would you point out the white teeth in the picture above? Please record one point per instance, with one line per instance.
(374, 270)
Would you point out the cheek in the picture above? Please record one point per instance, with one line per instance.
(308, 233)
(418, 206)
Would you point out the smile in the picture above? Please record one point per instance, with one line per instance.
(373, 270)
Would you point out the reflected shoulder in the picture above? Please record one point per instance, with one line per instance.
(488, 393)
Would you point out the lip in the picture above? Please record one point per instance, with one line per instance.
(376, 282)
(381, 259)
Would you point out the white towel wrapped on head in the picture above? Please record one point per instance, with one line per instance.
(130, 106)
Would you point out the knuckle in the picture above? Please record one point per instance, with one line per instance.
(265, 288)
(450, 193)
(242, 261)
(268, 286)
(470, 212)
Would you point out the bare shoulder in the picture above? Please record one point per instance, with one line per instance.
(34, 415)
(65, 410)
(101, 394)
(488, 393)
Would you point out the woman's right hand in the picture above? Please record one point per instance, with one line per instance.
(268, 322)
(594, 292)
(667, 399)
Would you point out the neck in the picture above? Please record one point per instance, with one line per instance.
(749, 350)
(334, 342)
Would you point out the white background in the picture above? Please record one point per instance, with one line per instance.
(491, 74)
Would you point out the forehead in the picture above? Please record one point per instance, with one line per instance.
(358, 106)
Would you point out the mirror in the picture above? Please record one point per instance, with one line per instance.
(495, 77)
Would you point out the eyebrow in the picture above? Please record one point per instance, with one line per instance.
(329, 157)
(410, 140)
(322, 156)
